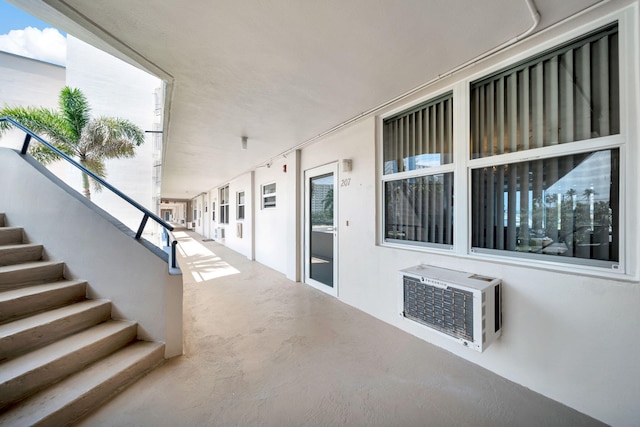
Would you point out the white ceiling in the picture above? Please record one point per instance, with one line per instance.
(284, 71)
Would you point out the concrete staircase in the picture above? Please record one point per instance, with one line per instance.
(61, 355)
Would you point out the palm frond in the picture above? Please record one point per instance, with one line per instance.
(75, 110)
(45, 123)
(111, 138)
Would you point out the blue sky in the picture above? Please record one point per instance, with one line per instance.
(22, 34)
(12, 18)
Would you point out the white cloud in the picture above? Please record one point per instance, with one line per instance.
(47, 45)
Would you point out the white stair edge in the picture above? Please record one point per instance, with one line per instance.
(11, 246)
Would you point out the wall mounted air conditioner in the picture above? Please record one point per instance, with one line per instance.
(462, 306)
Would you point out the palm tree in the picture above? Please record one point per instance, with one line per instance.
(74, 132)
(328, 201)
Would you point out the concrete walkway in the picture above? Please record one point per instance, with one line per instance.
(261, 350)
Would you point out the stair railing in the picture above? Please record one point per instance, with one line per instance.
(146, 214)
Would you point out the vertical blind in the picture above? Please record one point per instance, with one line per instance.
(420, 209)
(567, 95)
(568, 205)
(419, 138)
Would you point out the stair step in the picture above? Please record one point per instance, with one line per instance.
(11, 235)
(32, 372)
(20, 253)
(18, 303)
(35, 331)
(74, 397)
(30, 273)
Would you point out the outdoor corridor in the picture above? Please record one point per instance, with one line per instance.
(261, 350)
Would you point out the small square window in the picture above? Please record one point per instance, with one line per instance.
(269, 196)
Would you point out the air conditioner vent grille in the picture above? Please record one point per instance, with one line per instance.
(448, 310)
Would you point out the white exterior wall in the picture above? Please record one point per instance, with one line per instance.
(568, 333)
(241, 242)
(272, 225)
(117, 89)
(270, 235)
(197, 207)
(26, 82)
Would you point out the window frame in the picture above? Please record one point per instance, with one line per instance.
(590, 145)
(224, 204)
(240, 207)
(264, 196)
(448, 168)
(628, 203)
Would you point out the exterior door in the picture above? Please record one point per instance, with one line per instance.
(321, 236)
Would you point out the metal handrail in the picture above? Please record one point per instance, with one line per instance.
(171, 242)
(146, 213)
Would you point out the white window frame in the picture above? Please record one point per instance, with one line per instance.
(629, 203)
(264, 196)
(416, 173)
(241, 205)
(224, 204)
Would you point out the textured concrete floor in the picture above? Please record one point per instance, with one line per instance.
(261, 350)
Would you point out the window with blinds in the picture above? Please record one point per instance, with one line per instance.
(224, 205)
(418, 174)
(564, 204)
(568, 95)
(419, 138)
(240, 205)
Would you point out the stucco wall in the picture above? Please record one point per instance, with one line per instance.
(24, 82)
(565, 335)
(272, 247)
(242, 243)
(568, 333)
(93, 248)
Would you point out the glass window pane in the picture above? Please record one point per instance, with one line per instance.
(224, 205)
(566, 95)
(269, 189)
(419, 138)
(270, 202)
(420, 209)
(561, 207)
